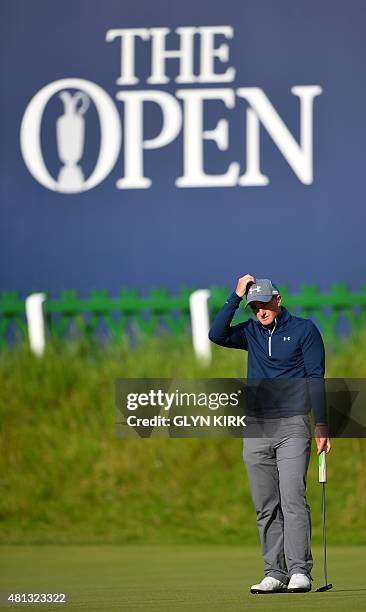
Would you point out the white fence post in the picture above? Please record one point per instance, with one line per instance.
(36, 322)
(200, 322)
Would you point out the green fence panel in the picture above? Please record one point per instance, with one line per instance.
(158, 312)
(12, 316)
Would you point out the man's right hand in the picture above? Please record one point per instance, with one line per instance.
(242, 285)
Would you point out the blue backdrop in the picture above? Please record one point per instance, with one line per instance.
(108, 237)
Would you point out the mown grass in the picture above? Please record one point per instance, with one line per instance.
(203, 578)
(66, 478)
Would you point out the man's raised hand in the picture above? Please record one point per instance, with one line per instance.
(242, 285)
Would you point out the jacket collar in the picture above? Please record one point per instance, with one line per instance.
(283, 317)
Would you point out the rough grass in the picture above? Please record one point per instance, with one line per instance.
(66, 478)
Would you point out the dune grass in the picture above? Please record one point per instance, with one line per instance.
(66, 478)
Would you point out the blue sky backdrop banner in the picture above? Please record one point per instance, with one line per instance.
(167, 143)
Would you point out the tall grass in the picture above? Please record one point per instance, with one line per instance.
(65, 476)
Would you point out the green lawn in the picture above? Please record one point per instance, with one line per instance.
(162, 579)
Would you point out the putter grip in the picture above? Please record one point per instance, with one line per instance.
(322, 468)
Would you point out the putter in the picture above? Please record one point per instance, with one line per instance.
(323, 480)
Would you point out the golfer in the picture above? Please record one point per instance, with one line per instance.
(280, 346)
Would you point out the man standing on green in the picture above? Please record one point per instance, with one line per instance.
(288, 348)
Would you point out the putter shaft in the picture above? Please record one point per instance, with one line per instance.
(324, 534)
(323, 480)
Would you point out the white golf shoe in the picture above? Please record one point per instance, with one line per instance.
(299, 583)
(268, 585)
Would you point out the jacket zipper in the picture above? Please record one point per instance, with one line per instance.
(270, 339)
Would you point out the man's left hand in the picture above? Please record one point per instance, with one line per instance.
(322, 444)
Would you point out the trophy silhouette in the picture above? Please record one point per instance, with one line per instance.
(70, 133)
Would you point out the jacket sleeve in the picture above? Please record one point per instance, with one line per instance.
(314, 360)
(224, 334)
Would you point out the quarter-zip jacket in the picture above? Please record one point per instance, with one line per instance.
(291, 349)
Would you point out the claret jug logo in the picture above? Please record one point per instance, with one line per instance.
(70, 129)
(182, 111)
(70, 135)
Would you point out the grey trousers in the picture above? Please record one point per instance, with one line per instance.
(277, 468)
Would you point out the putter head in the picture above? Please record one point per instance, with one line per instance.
(326, 587)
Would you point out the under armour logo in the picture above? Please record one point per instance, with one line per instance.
(257, 289)
(286, 338)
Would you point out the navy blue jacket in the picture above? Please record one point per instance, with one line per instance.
(291, 349)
